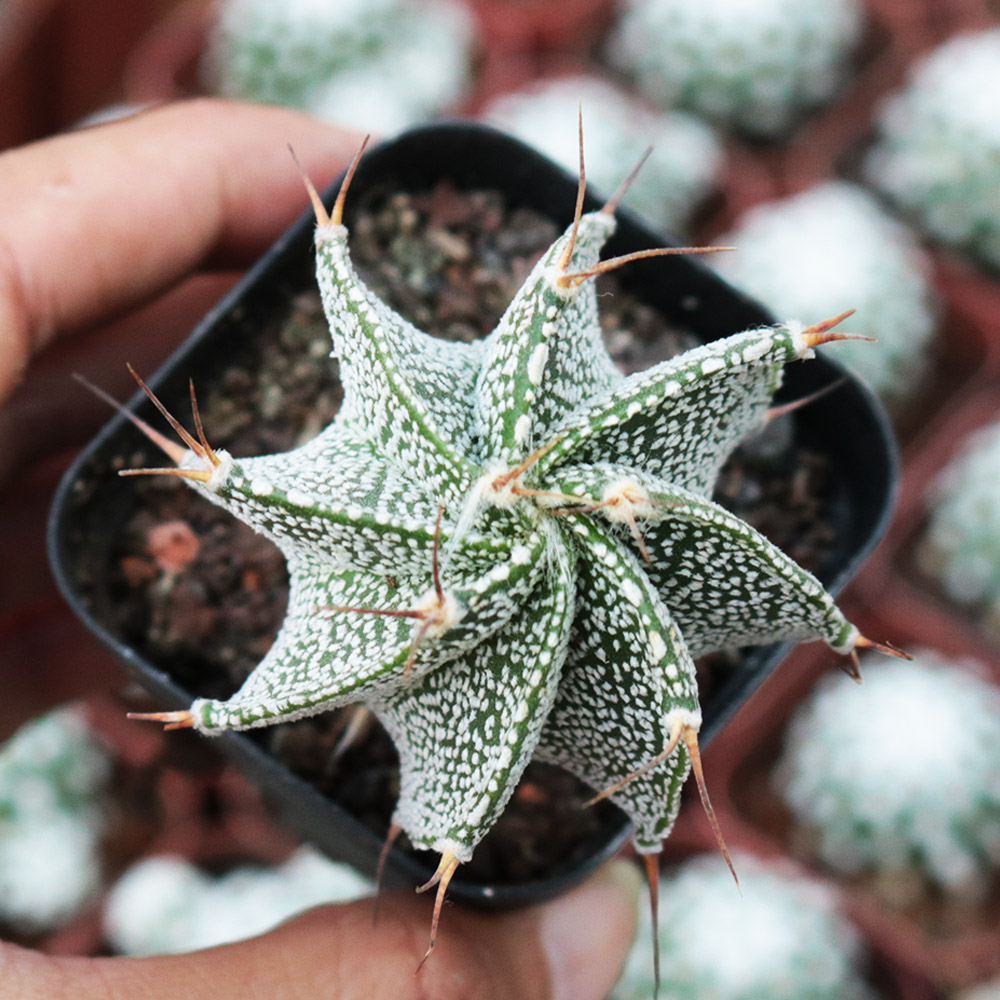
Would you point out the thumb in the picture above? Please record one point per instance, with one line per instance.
(570, 949)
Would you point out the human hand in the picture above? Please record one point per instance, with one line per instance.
(113, 241)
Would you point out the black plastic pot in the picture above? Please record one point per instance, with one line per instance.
(846, 425)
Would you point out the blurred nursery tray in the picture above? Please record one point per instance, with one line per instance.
(264, 382)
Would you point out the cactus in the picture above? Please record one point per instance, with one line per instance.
(165, 904)
(53, 780)
(783, 940)
(681, 172)
(506, 548)
(961, 544)
(937, 155)
(381, 65)
(753, 67)
(917, 804)
(831, 244)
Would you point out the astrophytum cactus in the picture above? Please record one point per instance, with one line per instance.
(506, 549)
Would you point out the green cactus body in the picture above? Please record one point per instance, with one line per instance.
(911, 806)
(937, 155)
(467, 545)
(753, 67)
(782, 939)
(808, 254)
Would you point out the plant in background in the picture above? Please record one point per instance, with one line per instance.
(54, 775)
(833, 244)
(783, 939)
(507, 549)
(937, 155)
(752, 67)
(681, 172)
(917, 803)
(961, 544)
(165, 904)
(370, 65)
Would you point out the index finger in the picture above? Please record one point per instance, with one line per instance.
(95, 222)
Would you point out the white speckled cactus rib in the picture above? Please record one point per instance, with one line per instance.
(467, 547)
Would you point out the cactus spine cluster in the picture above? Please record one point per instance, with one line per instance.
(507, 550)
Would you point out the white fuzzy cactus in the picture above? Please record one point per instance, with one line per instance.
(507, 548)
(751, 66)
(369, 65)
(165, 904)
(682, 170)
(961, 544)
(917, 802)
(937, 155)
(53, 783)
(807, 254)
(782, 939)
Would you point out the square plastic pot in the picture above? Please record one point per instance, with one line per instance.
(846, 426)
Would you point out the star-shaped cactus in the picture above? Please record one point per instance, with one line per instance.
(507, 550)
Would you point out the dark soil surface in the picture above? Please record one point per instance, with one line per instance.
(202, 596)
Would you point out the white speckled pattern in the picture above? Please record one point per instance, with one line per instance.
(548, 632)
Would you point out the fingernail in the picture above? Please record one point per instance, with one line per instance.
(587, 933)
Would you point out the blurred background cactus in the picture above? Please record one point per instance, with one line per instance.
(751, 67)
(54, 776)
(961, 545)
(782, 938)
(682, 171)
(915, 801)
(166, 905)
(375, 66)
(831, 248)
(937, 155)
